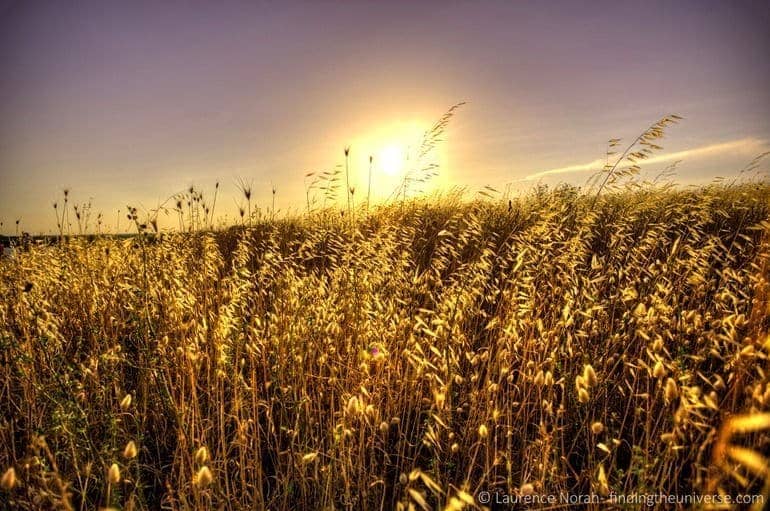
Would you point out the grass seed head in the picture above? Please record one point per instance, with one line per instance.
(203, 477)
(589, 375)
(671, 390)
(113, 474)
(8, 481)
(201, 455)
(659, 371)
(130, 451)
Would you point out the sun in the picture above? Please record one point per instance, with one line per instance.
(392, 159)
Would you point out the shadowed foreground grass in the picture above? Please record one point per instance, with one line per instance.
(424, 353)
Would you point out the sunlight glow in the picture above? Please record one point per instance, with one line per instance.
(391, 160)
(392, 144)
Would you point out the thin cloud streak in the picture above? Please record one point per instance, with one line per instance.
(747, 146)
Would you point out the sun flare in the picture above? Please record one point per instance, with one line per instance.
(381, 158)
(391, 160)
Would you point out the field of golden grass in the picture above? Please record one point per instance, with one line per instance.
(411, 358)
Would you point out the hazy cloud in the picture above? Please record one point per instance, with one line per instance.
(746, 146)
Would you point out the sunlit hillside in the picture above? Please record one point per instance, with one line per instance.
(428, 354)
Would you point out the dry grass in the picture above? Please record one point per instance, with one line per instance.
(559, 343)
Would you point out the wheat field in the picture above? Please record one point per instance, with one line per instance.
(409, 357)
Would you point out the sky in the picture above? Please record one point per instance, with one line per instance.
(127, 103)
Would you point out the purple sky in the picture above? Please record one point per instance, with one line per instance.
(129, 102)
